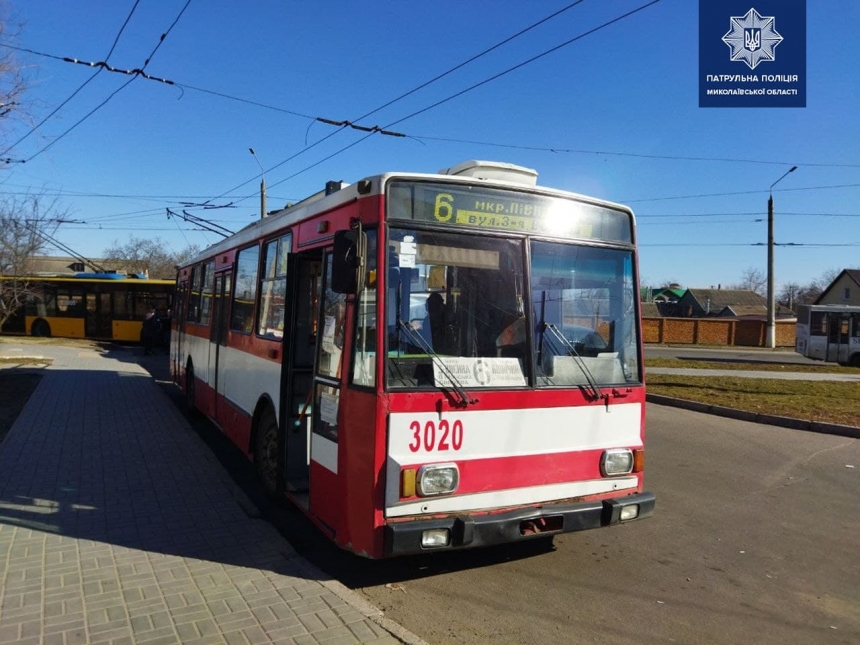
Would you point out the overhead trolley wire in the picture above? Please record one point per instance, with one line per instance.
(472, 87)
(341, 125)
(82, 86)
(122, 87)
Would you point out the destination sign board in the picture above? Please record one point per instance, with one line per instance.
(508, 210)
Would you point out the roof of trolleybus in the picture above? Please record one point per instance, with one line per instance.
(377, 185)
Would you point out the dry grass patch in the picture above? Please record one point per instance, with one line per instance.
(823, 401)
(753, 366)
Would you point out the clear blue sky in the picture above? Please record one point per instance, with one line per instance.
(628, 89)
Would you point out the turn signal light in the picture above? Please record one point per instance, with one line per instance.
(407, 483)
(638, 460)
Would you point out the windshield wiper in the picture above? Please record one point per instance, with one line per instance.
(420, 342)
(592, 382)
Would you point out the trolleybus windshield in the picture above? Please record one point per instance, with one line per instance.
(464, 310)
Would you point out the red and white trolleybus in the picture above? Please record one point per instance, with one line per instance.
(428, 361)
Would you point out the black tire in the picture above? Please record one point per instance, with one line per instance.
(266, 452)
(190, 406)
(855, 361)
(41, 328)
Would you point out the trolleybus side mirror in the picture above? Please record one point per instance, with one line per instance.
(349, 261)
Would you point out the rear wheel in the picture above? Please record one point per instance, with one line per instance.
(41, 328)
(855, 361)
(266, 451)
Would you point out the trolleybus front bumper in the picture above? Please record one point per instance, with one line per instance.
(467, 531)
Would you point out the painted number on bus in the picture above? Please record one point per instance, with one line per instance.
(439, 437)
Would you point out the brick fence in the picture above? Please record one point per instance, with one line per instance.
(715, 331)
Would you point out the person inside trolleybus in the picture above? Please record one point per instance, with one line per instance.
(433, 326)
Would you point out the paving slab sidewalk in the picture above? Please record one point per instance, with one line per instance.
(118, 525)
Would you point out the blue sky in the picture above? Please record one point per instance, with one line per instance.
(607, 116)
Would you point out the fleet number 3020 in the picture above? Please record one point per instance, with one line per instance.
(432, 436)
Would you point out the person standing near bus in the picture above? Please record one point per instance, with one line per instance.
(149, 331)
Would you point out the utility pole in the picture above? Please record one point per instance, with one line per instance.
(262, 185)
(771, 304)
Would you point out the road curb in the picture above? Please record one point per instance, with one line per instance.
(757, 417)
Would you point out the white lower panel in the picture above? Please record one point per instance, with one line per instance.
(513, 497)
(324, 452)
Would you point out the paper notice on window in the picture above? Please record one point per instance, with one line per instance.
(328, 408)
(328, 335)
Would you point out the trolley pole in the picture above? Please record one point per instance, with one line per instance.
(770, 339)
(262, 185)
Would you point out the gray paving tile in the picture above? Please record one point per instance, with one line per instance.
(128, 531)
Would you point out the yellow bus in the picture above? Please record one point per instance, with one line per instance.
(100, 306)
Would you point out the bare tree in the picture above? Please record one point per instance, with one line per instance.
(149, 256)
(12, 82)
(794, 294)
(25, 223)
(752, 279)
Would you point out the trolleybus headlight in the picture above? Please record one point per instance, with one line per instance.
(617, 461)
(437, 479)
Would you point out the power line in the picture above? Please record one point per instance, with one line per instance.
(647, 216)
(82, 86)
(472, 87)
(527, 62)
(122, 87)
(342, 124)
(742, 192)
(739, 244)
(610, 153)
(472, 59)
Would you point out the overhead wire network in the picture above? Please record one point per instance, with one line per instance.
(134, 77)
(80, 87)
(373, 130)
(342, 125)
(472, 87)
(552, 150)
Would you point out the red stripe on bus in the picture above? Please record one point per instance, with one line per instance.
(501, 473)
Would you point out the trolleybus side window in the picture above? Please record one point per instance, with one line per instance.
(273, 288)
(364, 348)
(245, 293)
(206, 292)
(194, 298)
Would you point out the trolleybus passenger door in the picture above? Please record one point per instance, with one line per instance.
(303, 287)
(218, 343)
(324, 490)
(98, 320)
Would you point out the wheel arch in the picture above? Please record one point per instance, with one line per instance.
(264, 404)
(39, 324)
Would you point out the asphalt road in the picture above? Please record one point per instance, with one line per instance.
(754, 540)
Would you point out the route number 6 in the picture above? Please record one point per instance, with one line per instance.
(444, 207)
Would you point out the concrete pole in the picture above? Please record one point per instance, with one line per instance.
(770, 336)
